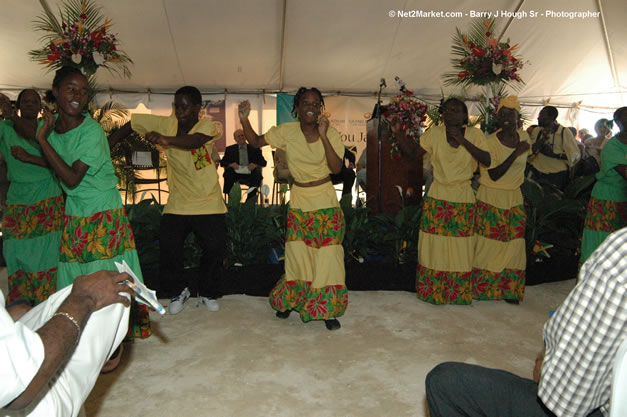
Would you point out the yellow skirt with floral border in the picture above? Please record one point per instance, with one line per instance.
(314, 279)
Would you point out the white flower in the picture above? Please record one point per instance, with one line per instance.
(497, 68)
(99, 59)
(77, 58)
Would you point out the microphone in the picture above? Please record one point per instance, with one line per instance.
(383, 84)
(401, 83)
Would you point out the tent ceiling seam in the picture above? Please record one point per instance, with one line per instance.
(608, 46)
(509, 22)
(398, 25)
(178, 60)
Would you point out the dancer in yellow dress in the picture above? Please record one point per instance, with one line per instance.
(446, 241)
(500, 258)
(314, 280)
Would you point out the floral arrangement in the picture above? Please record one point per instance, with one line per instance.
(480, 59)
(410, 112)
(487, 115)
(82, 40)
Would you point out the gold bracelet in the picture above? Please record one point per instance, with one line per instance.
(73, 320)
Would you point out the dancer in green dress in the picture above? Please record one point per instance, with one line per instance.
(31, 224)
(607, 208)
(96, 230)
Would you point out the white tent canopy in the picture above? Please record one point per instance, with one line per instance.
(347, 46)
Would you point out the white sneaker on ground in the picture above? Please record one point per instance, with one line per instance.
(211, 304)
(176, 303)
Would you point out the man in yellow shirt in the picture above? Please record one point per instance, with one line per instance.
(195, 203)
(554, 148)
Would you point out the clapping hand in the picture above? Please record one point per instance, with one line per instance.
(47, 126)
(19, 153)
(522, 147)
(455, 133)
(243, 110)
(323, 125)
(157, 138)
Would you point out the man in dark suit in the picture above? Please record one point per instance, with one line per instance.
(243, 163)
(347, 175)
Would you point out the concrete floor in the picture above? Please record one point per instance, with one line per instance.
(243, 361)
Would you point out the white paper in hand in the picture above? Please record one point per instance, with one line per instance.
(142, 293)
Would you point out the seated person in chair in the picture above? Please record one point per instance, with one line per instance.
(281, 170)
(347, 175)
(361, 170)
(243, 163)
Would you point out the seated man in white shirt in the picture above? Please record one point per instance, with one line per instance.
(51, 355)
(573, 375)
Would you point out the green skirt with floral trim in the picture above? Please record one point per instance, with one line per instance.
(314, 281)
(31, 239)
(603, 218)
(94, 243)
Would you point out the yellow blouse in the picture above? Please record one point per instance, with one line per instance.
(515, 175)
(192, 175)
(452, 165)
(307, 161)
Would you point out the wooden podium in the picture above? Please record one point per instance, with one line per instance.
(382, 194)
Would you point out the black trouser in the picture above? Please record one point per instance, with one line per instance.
(347, 177)
(210, 231)
(252, 180)
(459, 389)
(558, 179)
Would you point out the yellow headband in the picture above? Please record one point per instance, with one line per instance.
(511, 102)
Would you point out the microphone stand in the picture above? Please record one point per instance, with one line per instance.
(379, 168)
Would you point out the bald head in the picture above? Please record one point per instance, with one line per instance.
(239, 137)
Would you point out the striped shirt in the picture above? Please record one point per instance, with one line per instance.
(584, 334)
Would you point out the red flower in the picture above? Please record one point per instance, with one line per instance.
(518, 232)
(54, 55)
(326, 242)
(445, 212)
(309, 224)
(478, 51)
(505, 284)
(480, 287)
(497, 232)
(462, 74)
(79, 241)
(96, 37)
(336, 221)
(317, 306)
(117, 234)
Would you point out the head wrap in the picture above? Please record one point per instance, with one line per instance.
(511, 102)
